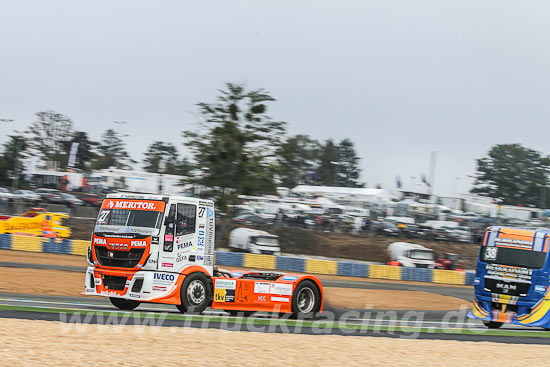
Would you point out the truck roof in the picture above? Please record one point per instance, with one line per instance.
(519, 231)
(140, 196)
(408, 246)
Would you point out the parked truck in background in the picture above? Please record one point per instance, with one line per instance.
(410, 255)
(254, 241)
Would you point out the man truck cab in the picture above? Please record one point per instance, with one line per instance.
(160, 249)
(511, 282)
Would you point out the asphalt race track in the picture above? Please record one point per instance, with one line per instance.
(397, 324)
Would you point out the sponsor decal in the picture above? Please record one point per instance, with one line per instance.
(508, 272)
(209, 212)
(168, 265)
(120, 244)
(289, 277)
(209, 260)
(224, 295)
(261, 287)
(262, 298)
(134, 295)
(149, 205)
(109, 293)
(280, 299)
(159, 288)
(163, 279)
(138, 243)
(540, 288)
(152, 261)
(200, 258)
(278, 288)
(205, 203)
(515, 243)
(185, 245)
(181, 257)
(210, 237)
(224, 290)
(200, 241)
(225, 284)
(155, 240)
(100, 241)
(97, 281)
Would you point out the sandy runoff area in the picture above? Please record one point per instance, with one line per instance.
(47, 343)
(64, 283)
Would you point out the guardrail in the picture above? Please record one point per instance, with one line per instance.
(267, 262)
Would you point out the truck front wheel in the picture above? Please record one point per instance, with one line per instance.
(123, 304)
(195, 294)
(492, 324)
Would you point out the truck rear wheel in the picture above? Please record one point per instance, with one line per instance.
(492, 324)
(306, 300)
(195, 294)
(123, 304)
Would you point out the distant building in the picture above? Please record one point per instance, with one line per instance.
(353, 196)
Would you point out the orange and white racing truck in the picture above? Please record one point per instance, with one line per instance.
(160, 249)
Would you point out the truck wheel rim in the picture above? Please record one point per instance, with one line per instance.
(306, 300)
(196, 292)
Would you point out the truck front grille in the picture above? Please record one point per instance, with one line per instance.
(119, 259)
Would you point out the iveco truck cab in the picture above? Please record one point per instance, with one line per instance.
(160, 249)
(511, 281)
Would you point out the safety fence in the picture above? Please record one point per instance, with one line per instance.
(266, 262)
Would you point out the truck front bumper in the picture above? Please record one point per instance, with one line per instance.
(142, 285)
(512, 311)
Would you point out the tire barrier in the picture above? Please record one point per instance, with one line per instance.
(267, 262)
(353, 269)
(321, 267)
(385, 272)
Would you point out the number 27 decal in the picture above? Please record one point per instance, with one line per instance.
(201, 211)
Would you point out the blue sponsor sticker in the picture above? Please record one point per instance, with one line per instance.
(540, 288)
(209, 212)
(289, 277)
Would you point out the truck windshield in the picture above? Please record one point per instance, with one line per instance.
(513, 257)
(267, 241)
(123, 216)
(421, 255)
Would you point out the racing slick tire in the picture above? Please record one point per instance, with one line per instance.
(306, 300)
(195, 294)
(124, 304)
(492, 324)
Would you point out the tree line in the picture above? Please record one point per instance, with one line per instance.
(234, 148)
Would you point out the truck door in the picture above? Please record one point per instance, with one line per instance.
(166, 259)
(184, 241)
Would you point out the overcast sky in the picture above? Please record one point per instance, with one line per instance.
(400, 78)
